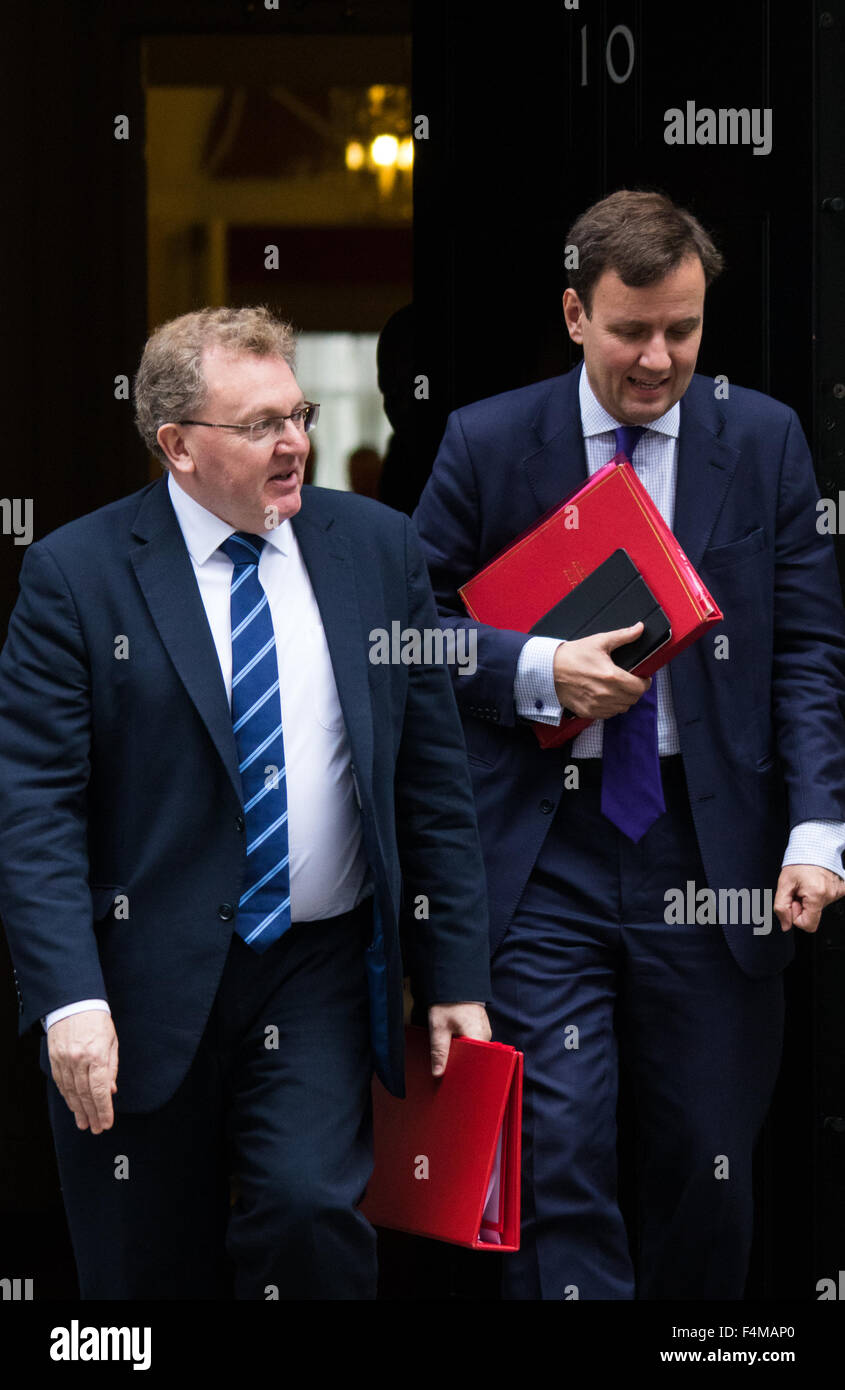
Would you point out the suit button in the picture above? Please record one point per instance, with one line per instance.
(547, 806)
(239, 821)
(225, 912)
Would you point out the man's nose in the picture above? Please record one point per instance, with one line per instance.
(655, 355)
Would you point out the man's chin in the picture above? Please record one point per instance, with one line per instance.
(642, 407)
(279, 507)
(648, 402)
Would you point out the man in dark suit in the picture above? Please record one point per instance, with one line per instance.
(727, 772)
(216, 810)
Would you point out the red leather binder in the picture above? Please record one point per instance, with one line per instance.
(612, 509)
(438, 1152)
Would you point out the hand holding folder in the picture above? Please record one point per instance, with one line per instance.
(613, 596)
(447, 1157)
(579, 544)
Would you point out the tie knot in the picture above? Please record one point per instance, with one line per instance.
(243, 548)
(627, 437)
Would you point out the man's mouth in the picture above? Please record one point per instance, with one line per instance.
(283, 475)
(646, 385)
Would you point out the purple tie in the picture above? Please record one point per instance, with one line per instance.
(631, 786)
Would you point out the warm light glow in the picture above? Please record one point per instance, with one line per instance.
(385, 150)
(405, 157)
(354, 155)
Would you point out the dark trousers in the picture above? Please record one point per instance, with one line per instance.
(590, 975)
(278, 1095)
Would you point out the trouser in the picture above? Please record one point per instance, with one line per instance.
(590, 974)
(278, 1095)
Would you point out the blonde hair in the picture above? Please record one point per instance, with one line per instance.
(170, 385)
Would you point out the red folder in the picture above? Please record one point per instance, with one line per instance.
(447, 1157)
(612, 509)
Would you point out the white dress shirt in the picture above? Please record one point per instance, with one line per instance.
(329, 873)
(655, 462)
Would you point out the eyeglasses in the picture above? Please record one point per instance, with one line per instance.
(303, 418)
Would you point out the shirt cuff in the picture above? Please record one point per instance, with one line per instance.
(819, 842)
(534, 692)
(67, 1009)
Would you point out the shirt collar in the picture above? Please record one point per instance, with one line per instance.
(596, 420)
(204, 532)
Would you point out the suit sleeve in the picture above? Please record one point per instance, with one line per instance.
(444, 911)
(449, 521)
(808, 686)
(45, 749)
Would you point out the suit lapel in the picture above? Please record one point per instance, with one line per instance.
(706, 467)
(327, 553)
(557, 464)
(166, 576)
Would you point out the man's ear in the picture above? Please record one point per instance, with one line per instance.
(573, 311)
(173, 443)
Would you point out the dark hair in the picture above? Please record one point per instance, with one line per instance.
(642, 236)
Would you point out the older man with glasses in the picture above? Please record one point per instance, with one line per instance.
(213, 809)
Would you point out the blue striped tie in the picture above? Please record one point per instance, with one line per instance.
(264, 907)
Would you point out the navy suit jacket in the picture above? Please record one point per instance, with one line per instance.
(120, 777)
(761, 733)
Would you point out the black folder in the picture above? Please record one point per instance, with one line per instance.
(615, 595)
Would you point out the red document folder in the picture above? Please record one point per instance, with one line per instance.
(447, 1157)
(612, 509)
